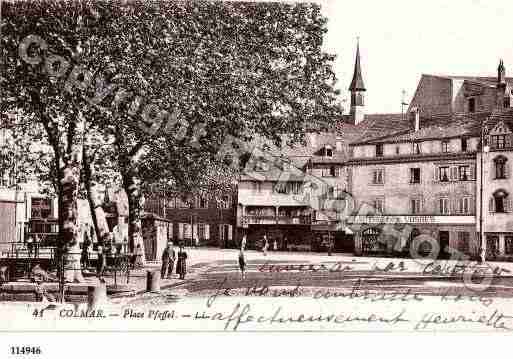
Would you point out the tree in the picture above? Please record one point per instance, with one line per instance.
(35, 81)
(192, 75)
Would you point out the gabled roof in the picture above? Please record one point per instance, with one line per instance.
(373, 126)
(490, 81)
(437, 127)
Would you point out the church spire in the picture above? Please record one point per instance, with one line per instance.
(501, 73)
(357, 82)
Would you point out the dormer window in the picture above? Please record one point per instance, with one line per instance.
(328, 151)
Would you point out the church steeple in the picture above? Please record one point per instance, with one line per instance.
(357, 82)
(357, 88)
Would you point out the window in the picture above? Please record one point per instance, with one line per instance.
(508, 241)
(280, 188)
(443, 174)
(379, 150)
(378, 205)
(444, 205)
(294, 187)
(445, 146)
(463, 242)
(500, 167)
(506, 102)
(338, 193)
(328, 152)
(415, 205)
(332, 171)
(378, 176)
(226, 201)
(464, 173)
(465, 205)
(202, 202)
(416, 148)
(397, 150)
(463, 145)
(414, 175)
(498, 141)
(500, 202)
(203, 231)
(40, 208)
(471, 105)
(330, 192)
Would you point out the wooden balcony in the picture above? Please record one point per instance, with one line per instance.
(297, 220)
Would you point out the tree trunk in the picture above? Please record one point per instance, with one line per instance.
(131, 185)
(101, 227)
(69, 246)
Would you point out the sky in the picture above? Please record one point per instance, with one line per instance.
(400, 40)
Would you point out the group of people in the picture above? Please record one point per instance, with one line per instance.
(168, 262)
(32, 244)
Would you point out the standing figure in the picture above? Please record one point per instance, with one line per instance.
(242, 263)
(37, 242)
(243, 243)
(166, 256)
(30, 245)
(172, 257)
(84, 257)
(138, 262)
(266, 245)
(181, 264)
(275, 245)
(285, 244)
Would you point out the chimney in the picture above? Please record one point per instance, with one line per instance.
(415, 118)
(338, 144)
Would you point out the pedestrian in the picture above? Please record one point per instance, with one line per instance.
(172, 257)
(30, 241)
(275, 245)
(138, 262)
(100, 263)
(243, 242)
(37, 241)
(285, 244)
(165, 262)
(181, 264)
(84, 257)
(242, 264)
(266, 245)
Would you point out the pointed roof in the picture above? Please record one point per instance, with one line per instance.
(357, 82)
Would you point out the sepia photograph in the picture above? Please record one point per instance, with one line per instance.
(255, 166)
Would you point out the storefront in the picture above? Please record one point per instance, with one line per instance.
(436, 236)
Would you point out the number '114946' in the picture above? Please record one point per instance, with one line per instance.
(25, 350)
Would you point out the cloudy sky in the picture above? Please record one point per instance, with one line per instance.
(400, 40)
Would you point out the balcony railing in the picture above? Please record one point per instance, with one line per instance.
(299, 220)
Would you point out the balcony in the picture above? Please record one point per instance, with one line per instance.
(297, 220)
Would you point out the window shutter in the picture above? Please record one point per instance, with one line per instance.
(195, 232)
(506, 170)
(454, 173)
(436, 176)
(472, 173)
(230, 232)
(506, 204)
(207, 231)
(491, 205)
(472, 206)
